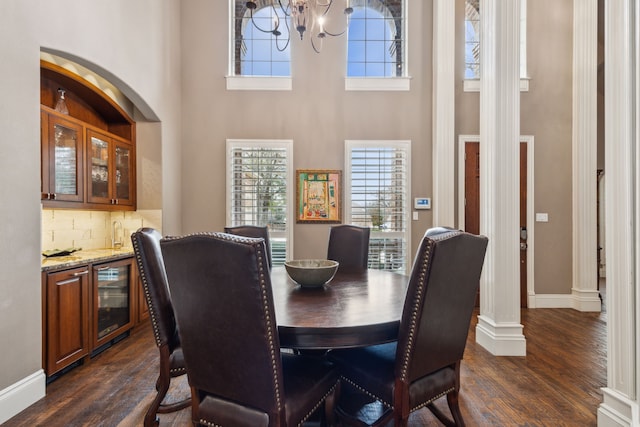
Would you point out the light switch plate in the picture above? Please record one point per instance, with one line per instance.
(542, 217)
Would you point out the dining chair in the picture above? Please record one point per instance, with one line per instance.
(146, 247)
(349, 245)
(253, 231)
(424, 364)
(223, 300)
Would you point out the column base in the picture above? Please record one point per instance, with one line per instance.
(504, 339)
(617, 410)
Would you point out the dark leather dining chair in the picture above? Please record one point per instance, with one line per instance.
(253, 231)
(146, 246)
(349, 245)
(424, 364)
(223, 301)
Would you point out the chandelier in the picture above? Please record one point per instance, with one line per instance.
(306, 16)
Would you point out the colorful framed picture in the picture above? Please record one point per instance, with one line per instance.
(318, 196)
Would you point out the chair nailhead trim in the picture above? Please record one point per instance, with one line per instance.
(145, 286)
(390, 406)
(422, 279)
(367, 392)
(207, 423)
(433, 399)
(316, 406)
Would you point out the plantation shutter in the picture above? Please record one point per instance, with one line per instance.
(258, 192)
(379, 195)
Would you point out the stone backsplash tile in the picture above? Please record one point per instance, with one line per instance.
(63, 229)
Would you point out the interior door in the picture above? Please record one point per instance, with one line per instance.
(472, 204)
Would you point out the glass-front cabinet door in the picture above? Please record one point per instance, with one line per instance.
(98, 155)
(61, 160)
(111, 166)
(124, 173)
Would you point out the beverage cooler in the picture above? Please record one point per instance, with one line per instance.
(112, 301)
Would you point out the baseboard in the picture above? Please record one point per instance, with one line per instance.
(551, 301)
(617, 410)
(589, 301)
(21, 395)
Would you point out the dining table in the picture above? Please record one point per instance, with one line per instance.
(356, 308)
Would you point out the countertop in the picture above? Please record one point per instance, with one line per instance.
(90, 256)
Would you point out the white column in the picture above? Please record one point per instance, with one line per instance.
(621, 405)
(499, 329)
(585, 151)
(444, 113)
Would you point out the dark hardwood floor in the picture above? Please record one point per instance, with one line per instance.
(557, 384)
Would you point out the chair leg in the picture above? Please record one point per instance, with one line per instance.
(150, 418)
(452, 400)
(399, 420)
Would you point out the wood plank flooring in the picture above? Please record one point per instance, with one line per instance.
(557, 384)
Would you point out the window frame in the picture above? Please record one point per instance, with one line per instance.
(287, 145)
(473, 84)
(404, 145)
(395, 83)
(241, 82)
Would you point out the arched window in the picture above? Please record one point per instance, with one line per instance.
(376, 39)
(256, 52)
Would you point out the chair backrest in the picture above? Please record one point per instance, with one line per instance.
(439, 303)
(253, 231)
(221, 291)
(349, 245)
(146, 247)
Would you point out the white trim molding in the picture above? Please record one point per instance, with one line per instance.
(584, 157)
(21, 395)
(444, 113)
(259, 83)
(473, 85)
(621, 404)
(377, 83)
(499, 329)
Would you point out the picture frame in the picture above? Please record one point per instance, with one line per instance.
(318, 196)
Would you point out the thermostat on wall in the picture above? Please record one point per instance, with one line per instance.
(422, 203)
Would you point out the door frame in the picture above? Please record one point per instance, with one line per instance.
(529, 140)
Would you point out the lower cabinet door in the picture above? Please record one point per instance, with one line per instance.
(67, 315)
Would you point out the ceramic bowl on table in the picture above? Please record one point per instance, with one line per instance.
(311, 273)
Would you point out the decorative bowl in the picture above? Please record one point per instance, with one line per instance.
(311, 273)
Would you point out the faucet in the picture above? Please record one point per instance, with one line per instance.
(115, 243)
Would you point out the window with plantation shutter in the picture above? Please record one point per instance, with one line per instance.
(377, 192)
(259, 190)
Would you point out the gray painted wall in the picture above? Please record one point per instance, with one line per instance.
(170, 58)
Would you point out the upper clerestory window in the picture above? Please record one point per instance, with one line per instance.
(257, 50)
(376, 43)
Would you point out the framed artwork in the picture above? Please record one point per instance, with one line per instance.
(318, 196)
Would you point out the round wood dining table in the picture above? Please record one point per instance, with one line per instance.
(354, 309)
